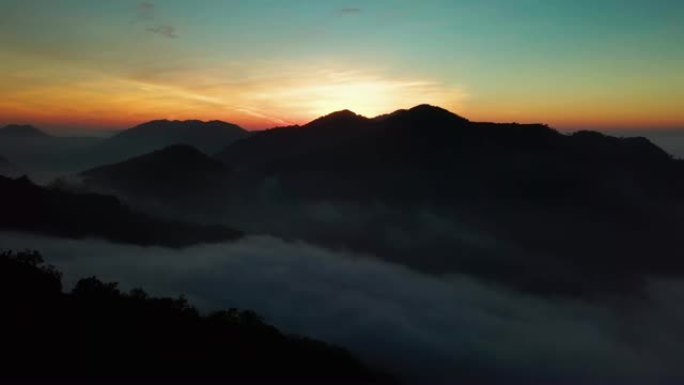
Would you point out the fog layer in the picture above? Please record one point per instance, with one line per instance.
(421, 327)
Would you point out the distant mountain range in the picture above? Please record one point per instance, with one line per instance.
(208, 137)
(15, 131)
(45, 156)
(520, 204)
(41, 155)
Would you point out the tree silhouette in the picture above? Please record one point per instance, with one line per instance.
(98, 333)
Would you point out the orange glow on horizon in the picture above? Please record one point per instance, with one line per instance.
(97, 101)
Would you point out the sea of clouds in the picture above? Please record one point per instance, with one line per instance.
(424, 328)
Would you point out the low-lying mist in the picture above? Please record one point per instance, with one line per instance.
(424, 328)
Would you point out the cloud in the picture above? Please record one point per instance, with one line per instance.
(165, 30)
(349, 11)
(253, 111)
(426, 329)
(145, 10)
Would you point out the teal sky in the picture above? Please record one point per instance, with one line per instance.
(108, 64)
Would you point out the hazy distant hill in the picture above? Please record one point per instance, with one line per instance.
(16, 131)
(174, 176)
(41, 155)
(7, 168)
(208, 137)
(30, 208)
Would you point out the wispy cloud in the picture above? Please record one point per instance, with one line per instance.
(349, 11)
(146, 13)
(145, 10)
(165, 30)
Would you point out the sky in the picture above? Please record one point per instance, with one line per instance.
(573, 64)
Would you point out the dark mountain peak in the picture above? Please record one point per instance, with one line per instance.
(208, 137)
(423, 115)
(174, 159)
(22, 131)
(184, 124)
(638, 149)
(178, 151)
(339, 119)
(428, 108)
(641, 145)
(343, 113)
(174, 176)
(432, 112)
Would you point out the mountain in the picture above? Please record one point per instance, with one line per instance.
(44, 156)
(269, 146)
(453, 156)
(334, 134)
(521, 204)
(208, 137)
(7, 168)
(31, 208)
(176, 176)
(97, 334)
(16, 131)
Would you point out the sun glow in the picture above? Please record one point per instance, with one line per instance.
(319, 94)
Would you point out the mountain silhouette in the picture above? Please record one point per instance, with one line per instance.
(608, 199)
(41, 155)
(21, 131)
(519, 204)
(207, 137)
(175, 176)
(290, 142)
(31, 208)
(97, 333)
(430, 139)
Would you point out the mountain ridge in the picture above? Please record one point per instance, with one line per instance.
(206, 136)
(164, 180)
(22, 131)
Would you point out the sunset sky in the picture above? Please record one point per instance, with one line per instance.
(108, 64)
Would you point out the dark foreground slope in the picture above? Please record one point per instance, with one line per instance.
(98, 334)
(30, 208)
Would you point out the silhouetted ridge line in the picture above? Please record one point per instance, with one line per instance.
(208, 137)
(169, 160)
(167, 179)
(337, 120)
(22, 131)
